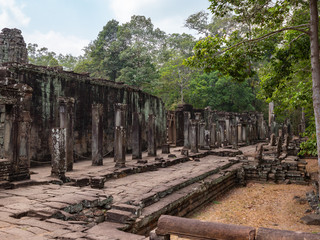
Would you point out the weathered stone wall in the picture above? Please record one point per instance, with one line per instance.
(49, 84)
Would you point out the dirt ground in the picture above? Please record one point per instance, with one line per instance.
(268, 205)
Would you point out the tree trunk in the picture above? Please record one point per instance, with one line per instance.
(315, 65)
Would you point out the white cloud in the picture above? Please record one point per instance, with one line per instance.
(172, 24)
(58, 42)
(11, 15)
(124, 9)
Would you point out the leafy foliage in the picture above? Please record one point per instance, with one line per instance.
(220, 93)
(146, 57)
(44, 57)
(309, 147)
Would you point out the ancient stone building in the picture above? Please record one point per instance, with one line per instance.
(49, 85)
(96, 117)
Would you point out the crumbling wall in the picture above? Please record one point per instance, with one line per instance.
(51, 83)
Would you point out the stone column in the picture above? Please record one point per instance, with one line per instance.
(120, 147)
(202, 126)
(136, 136)
(239, 126)
(97, 135)
(245, 133)
(198, 117)
(222, 135)
(193, 135)
(120, 114)
(235, 136)
(187, 117)
(228, 130)
(218, 138)
(213, 135)
(66, 107)
(119, 120)
(271, 114)
(58, 153)
(152, 147)
(206, 139)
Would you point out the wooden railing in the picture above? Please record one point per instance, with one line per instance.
(195, 229)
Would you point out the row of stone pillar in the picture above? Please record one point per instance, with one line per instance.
(120, 135)
(62, 137)
(198, 134)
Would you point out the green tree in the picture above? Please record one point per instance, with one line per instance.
(174, 82)
(266, 19)
(105, 50)
(127, 52)
(217, 25)
(42, 56)
(220, 93)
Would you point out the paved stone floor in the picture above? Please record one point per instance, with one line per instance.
(26, 212)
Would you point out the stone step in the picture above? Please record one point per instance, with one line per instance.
(186, 200)
(161, 192)
(136, 210)
(119, 216)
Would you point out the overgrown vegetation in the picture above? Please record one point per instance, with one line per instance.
(143, 56)
(249, 53)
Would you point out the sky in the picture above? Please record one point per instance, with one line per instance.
(67, 26)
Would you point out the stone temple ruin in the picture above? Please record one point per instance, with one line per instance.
(49, 116)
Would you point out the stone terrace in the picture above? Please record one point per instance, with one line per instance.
(49, 211)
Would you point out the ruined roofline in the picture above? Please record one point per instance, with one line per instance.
(58, 72)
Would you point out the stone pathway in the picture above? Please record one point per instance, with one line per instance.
(31, 212)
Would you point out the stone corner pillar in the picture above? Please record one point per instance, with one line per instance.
(97, 135)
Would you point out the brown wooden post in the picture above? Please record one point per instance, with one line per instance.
(275, 234)
(197, 229)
